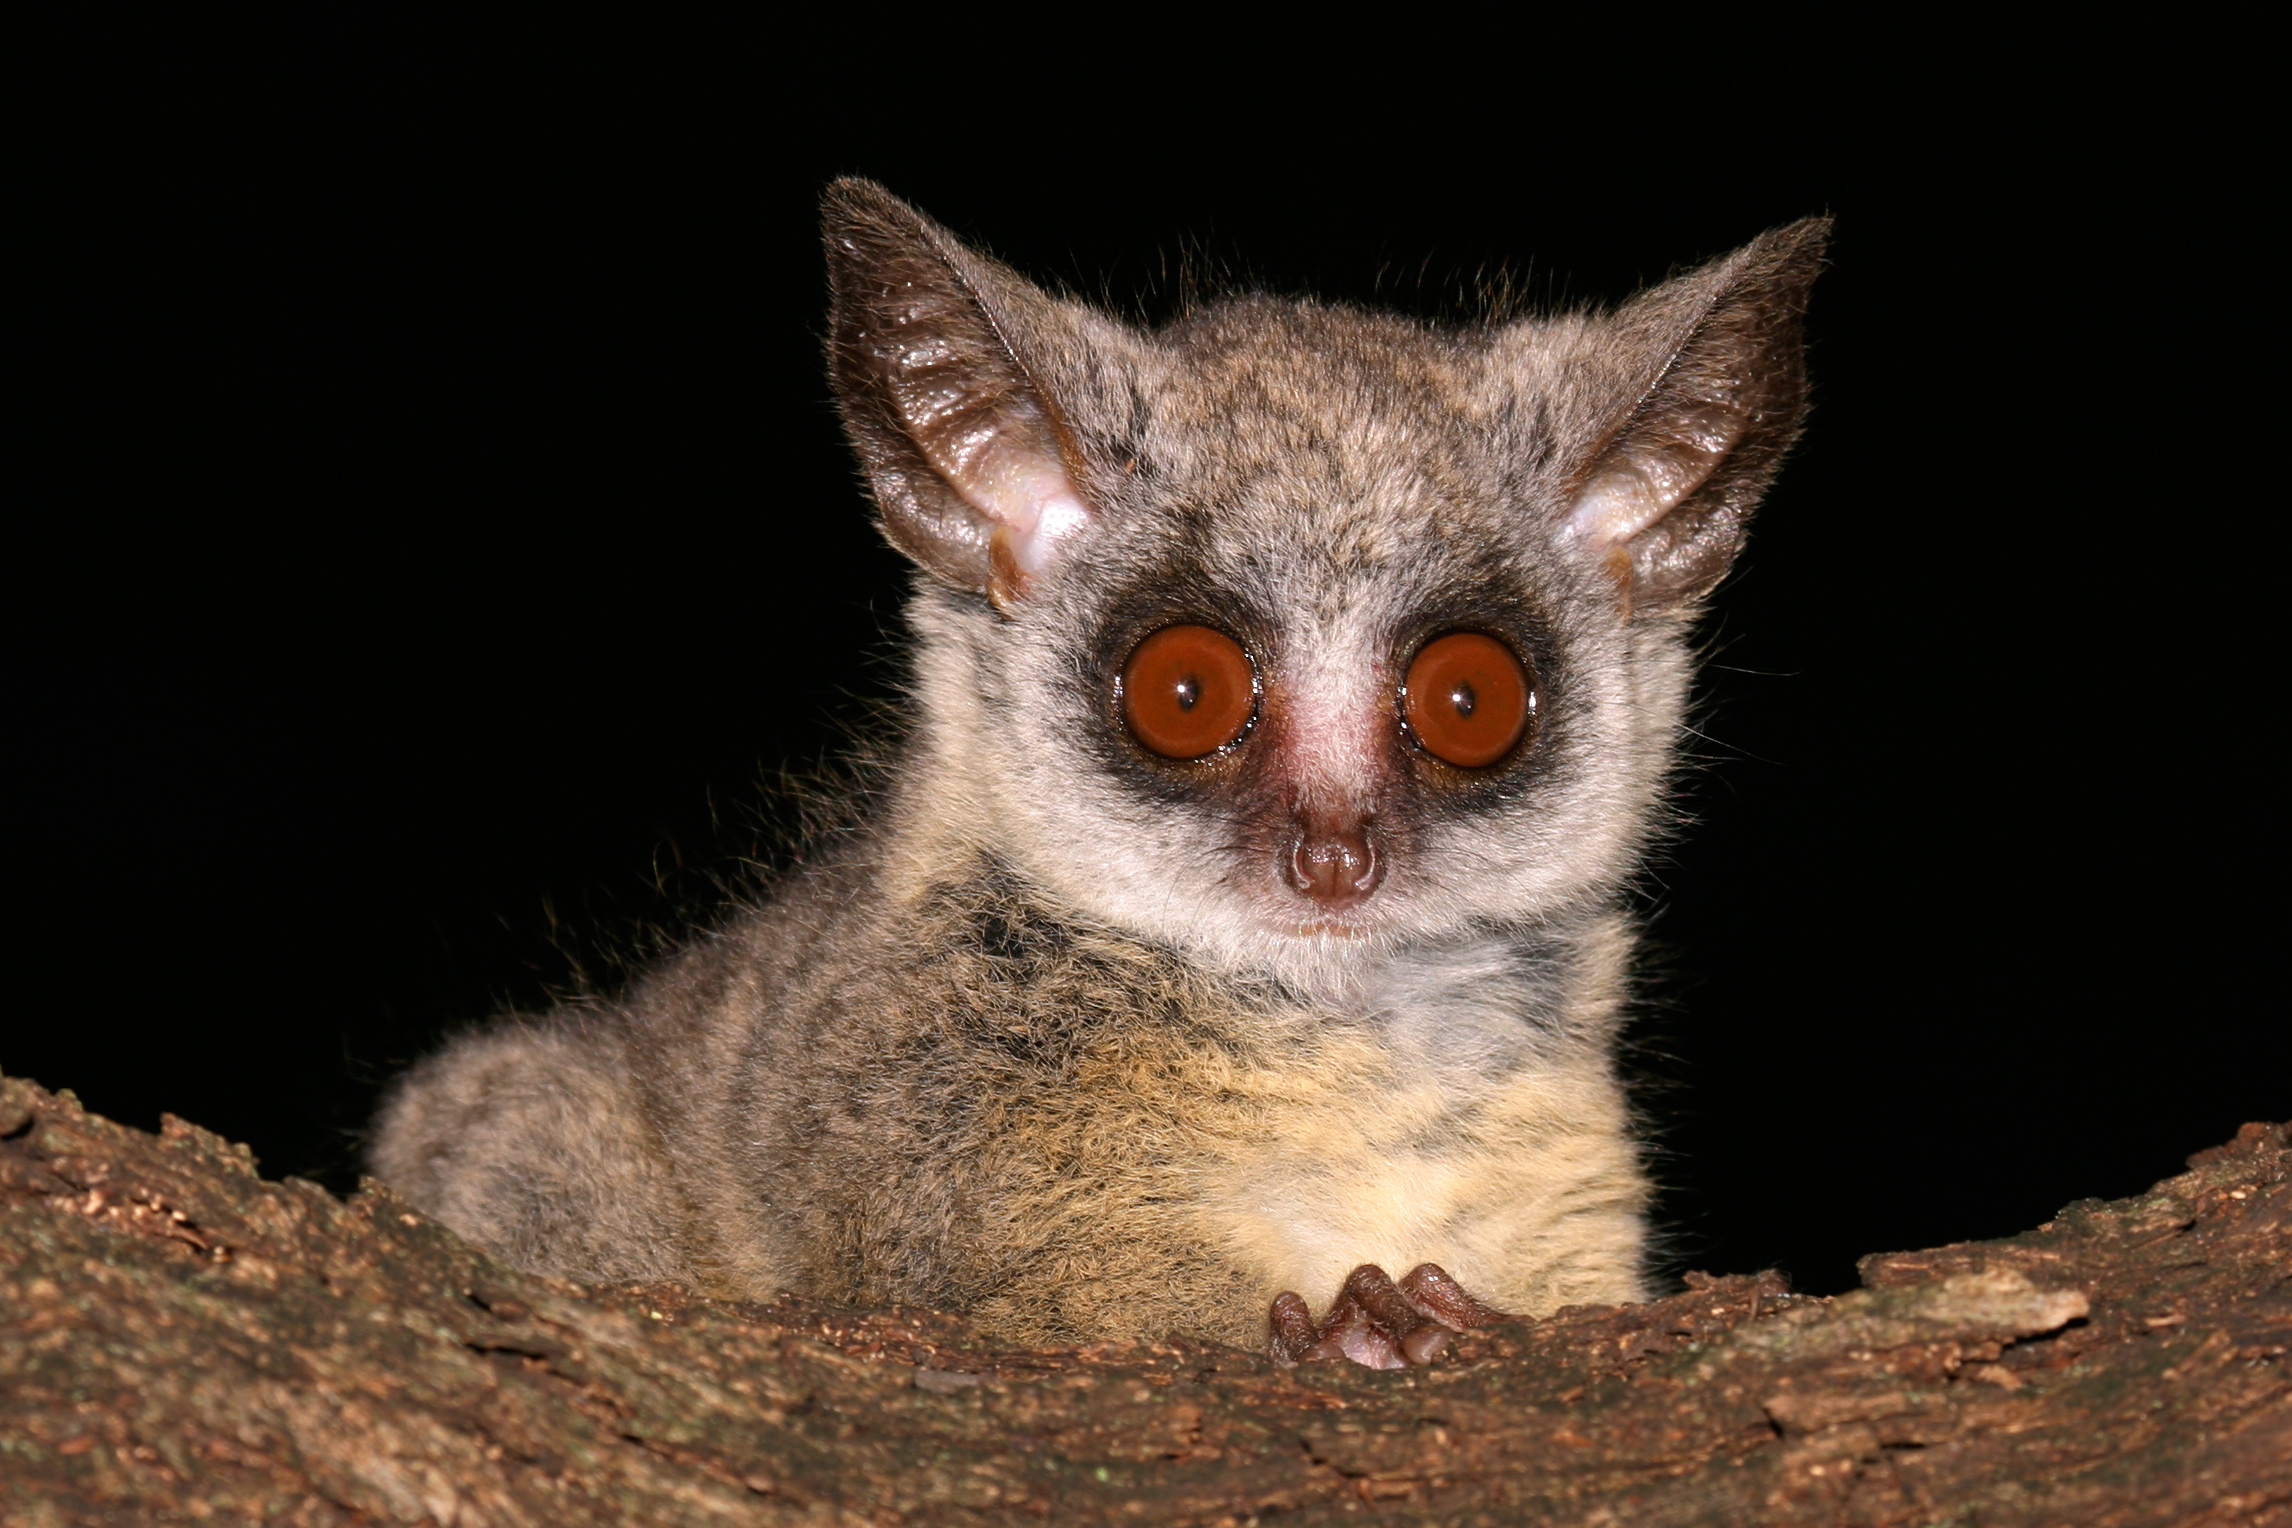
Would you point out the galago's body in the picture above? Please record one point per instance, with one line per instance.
(1293, 690)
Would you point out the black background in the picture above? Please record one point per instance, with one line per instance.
(450, 543)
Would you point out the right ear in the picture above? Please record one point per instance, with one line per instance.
(1714, 386)
(964, 450)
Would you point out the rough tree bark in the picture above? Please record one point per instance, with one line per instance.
(182, 1341)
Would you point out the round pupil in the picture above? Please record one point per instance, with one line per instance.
(1463, 699)
(1189, 691)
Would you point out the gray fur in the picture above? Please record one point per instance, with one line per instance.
(1047, 1040)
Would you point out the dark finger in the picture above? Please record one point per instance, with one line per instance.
(1431, 1290)
(1289, 1330)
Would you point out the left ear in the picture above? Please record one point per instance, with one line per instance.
(1666, 497)
(965, 448)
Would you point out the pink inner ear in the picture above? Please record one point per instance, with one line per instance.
(1652, 473)
(1028, 501)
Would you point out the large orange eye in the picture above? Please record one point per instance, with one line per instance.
(1188, 691)
(1468, 699)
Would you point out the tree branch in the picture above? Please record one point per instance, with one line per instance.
(182, 1340)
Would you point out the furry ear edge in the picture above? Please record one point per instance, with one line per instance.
(961, 447)
(1665, 503)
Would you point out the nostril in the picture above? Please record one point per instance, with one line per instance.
(1335, 866)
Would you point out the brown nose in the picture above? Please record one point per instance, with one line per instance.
(1335, 863)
